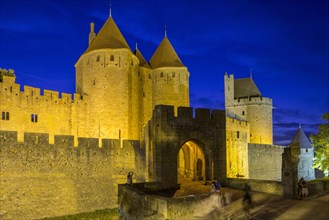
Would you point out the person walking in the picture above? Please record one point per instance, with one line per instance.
(247, 201)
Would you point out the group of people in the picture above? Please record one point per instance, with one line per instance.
(302, 189)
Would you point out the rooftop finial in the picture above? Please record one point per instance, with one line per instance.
(110, 8)
(251, 73)
(136, 46)
(165, 30)
(300, 126)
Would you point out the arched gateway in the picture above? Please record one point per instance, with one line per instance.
(190, 162)
(184, 146)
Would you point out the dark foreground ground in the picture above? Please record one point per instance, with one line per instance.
(266, 207)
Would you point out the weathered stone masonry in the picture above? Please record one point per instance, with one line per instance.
(38, 179)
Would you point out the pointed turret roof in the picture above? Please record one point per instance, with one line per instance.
(301, 140)
(165, 56)
(142, 61)
(245, 87)
(108, 37)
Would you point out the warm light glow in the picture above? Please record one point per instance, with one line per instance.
(190, 162)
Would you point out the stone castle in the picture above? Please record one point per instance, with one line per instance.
(65, 153)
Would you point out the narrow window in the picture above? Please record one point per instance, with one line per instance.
(173, 74)
(242, 112)
(34, 118)
(306, 150)
(7, 116)
(238, 134)
(161, 74)
(112, 58)
(149, 76)
(3, 116)
(11, 88)
(98, 58)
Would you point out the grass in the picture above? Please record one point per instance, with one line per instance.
(105, 214)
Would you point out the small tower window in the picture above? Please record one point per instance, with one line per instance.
(242, 112)
(161, 74)
(5, 116)
(149, 76)
(34, 118)
(98, 58)
(306, 150)
(238, 134)
(173, 74)
(112, 58)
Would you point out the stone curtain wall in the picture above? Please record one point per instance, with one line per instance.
(266, 186)
(265, 161)
(56, 113)
(38, 179)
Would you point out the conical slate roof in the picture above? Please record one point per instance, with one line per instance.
(301, 140)
(142, 61)
(165, 56)
(245, 87)
(108, 37)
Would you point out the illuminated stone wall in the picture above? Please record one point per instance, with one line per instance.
(237, 139)
(55, 115)
(38, 179)
(145, 92)
(265, 161)
(171, 87)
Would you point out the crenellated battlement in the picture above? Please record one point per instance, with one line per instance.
(33, 140)
(236, 123)
(253, 101)
(10, 88)
(266, 147)
(188, 117)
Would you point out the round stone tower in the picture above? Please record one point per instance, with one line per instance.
(107, 73)
(170, 77)
(244, 101)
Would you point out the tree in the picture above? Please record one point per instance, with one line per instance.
(320, 143)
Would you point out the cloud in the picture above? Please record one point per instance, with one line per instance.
(210, 102)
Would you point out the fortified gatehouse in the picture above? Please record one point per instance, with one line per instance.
(185, 146)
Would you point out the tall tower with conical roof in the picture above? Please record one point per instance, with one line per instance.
(170, 77)
(107, 73)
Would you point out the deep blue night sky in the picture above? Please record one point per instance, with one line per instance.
(284, 42)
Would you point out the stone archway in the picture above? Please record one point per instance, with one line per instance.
(190, 163)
